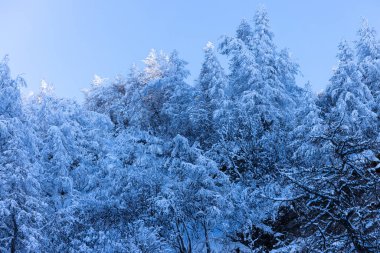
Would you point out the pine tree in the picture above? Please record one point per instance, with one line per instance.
(349, 100)
(367, 45)
(243, 68)
(245, 33)
(264, 49)
(368, 57)
(287, 71)
(212, 83)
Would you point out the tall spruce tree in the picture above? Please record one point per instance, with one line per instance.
(212, 83)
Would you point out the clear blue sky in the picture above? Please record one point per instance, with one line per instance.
(67, 42)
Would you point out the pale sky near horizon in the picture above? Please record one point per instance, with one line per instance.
(67, 42)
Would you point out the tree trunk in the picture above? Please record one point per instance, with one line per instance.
(208, 246)
(15, 232)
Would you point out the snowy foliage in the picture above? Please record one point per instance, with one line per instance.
(243, 160)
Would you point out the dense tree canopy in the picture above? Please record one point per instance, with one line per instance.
(243, 160)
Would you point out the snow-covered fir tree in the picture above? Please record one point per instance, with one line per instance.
(212, 82)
